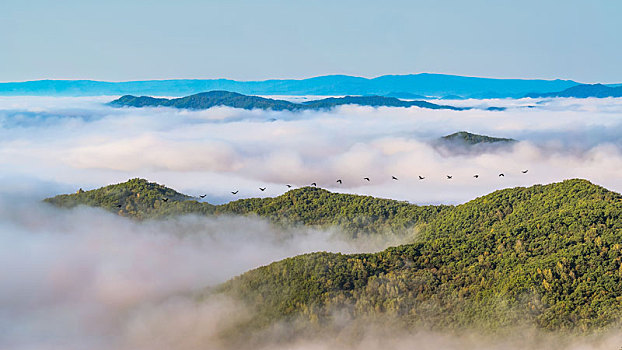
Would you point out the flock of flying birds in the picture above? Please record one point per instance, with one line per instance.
(339, 181)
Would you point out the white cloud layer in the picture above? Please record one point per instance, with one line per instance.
(79, 142)
(86, 279)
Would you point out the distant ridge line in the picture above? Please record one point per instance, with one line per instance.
(422, 84)
(206, 100)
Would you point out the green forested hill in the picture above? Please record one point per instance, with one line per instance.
(136, 198)
(548, 256)
(544, 256)
(355, 214)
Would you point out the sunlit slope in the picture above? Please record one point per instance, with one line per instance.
(354, 213)
(136, 198)
(545, 256)
(309, 206)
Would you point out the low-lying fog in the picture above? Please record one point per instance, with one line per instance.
(87, 279)
(72, 278)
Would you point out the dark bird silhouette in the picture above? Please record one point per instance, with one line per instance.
(449, 177)
(476, 176)
(339, 181)
(394, 178)
(262, 189)
(165, 199)
(289, 186)
(313, 184)
(500, 175)
(203, 195)
(236, 192)
(366, 178)
(421, 177)
(119, 205)
(524, 171)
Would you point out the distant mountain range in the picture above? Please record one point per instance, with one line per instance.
(400, 86)
(210, 99)
(583, 91)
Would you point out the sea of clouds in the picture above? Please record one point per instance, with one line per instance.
(66, 143)
(87, 279)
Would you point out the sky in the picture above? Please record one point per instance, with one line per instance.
(119, 40)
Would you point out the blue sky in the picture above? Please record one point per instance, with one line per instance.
(255, 40)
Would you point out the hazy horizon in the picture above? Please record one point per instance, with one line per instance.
(369, 77)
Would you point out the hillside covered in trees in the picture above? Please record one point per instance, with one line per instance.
(547, 256)
(310, 206)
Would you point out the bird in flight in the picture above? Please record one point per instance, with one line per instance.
(476, 176)
(366, 178)
(313, 184)
(288, 186)
(262, 189)
(394, 178)
(449, 177)
(236, 192)
(421, 177)
(339, 181)
(524, 171)
(165, 199)
(203, 195)
(500, 175)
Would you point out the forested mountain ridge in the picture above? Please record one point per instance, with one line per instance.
(136, 198)
(309, 206)
(205, 100)
(353, 213)
(544, 256)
